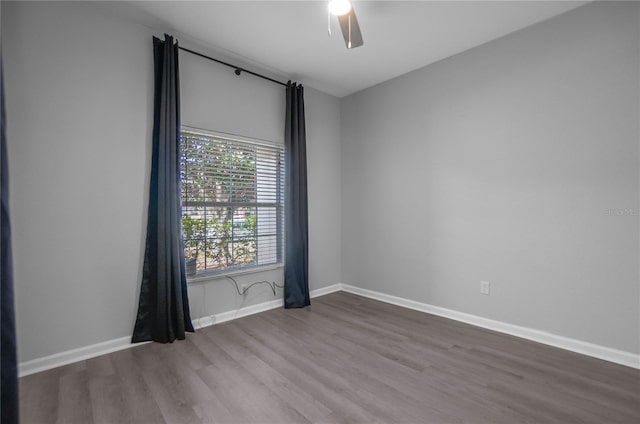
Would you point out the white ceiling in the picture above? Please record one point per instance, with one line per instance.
(290, 37)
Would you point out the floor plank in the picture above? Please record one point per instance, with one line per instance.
(344, 359)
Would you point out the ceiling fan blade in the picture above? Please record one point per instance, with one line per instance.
(356, 35)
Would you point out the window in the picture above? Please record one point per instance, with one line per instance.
(232, 202)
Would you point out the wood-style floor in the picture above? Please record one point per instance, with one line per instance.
(345, 359)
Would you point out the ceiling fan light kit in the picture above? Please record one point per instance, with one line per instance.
(343, 9)
(339, 7)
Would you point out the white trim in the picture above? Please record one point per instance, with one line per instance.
(213, 276)
(597, 351)
(206, 321)
(91, 351)
(74, 355)
(325, 290)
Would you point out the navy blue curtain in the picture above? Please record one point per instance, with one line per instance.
(296, 269)
(163, 310)
(9, 367)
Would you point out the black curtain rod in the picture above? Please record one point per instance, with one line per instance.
(238, 69)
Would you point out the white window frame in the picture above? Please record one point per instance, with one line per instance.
(279, 205)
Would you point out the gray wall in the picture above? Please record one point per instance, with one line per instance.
(501, 164)
(79, 85)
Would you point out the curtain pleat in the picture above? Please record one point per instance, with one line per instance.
(163, 309)
(296, 270)
(8, 343)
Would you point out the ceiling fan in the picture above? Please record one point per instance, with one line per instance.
(343, 9)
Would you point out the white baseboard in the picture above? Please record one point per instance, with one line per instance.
(206, 321)
(601, 352)
(91, 351)
(597, 351)
(257, 308)
(74, 355)
(325, 290)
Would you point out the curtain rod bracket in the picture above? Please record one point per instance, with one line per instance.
(238, 71)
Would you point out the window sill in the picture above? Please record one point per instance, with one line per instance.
(206, 277)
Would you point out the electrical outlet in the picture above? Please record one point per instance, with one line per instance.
(485, 287)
